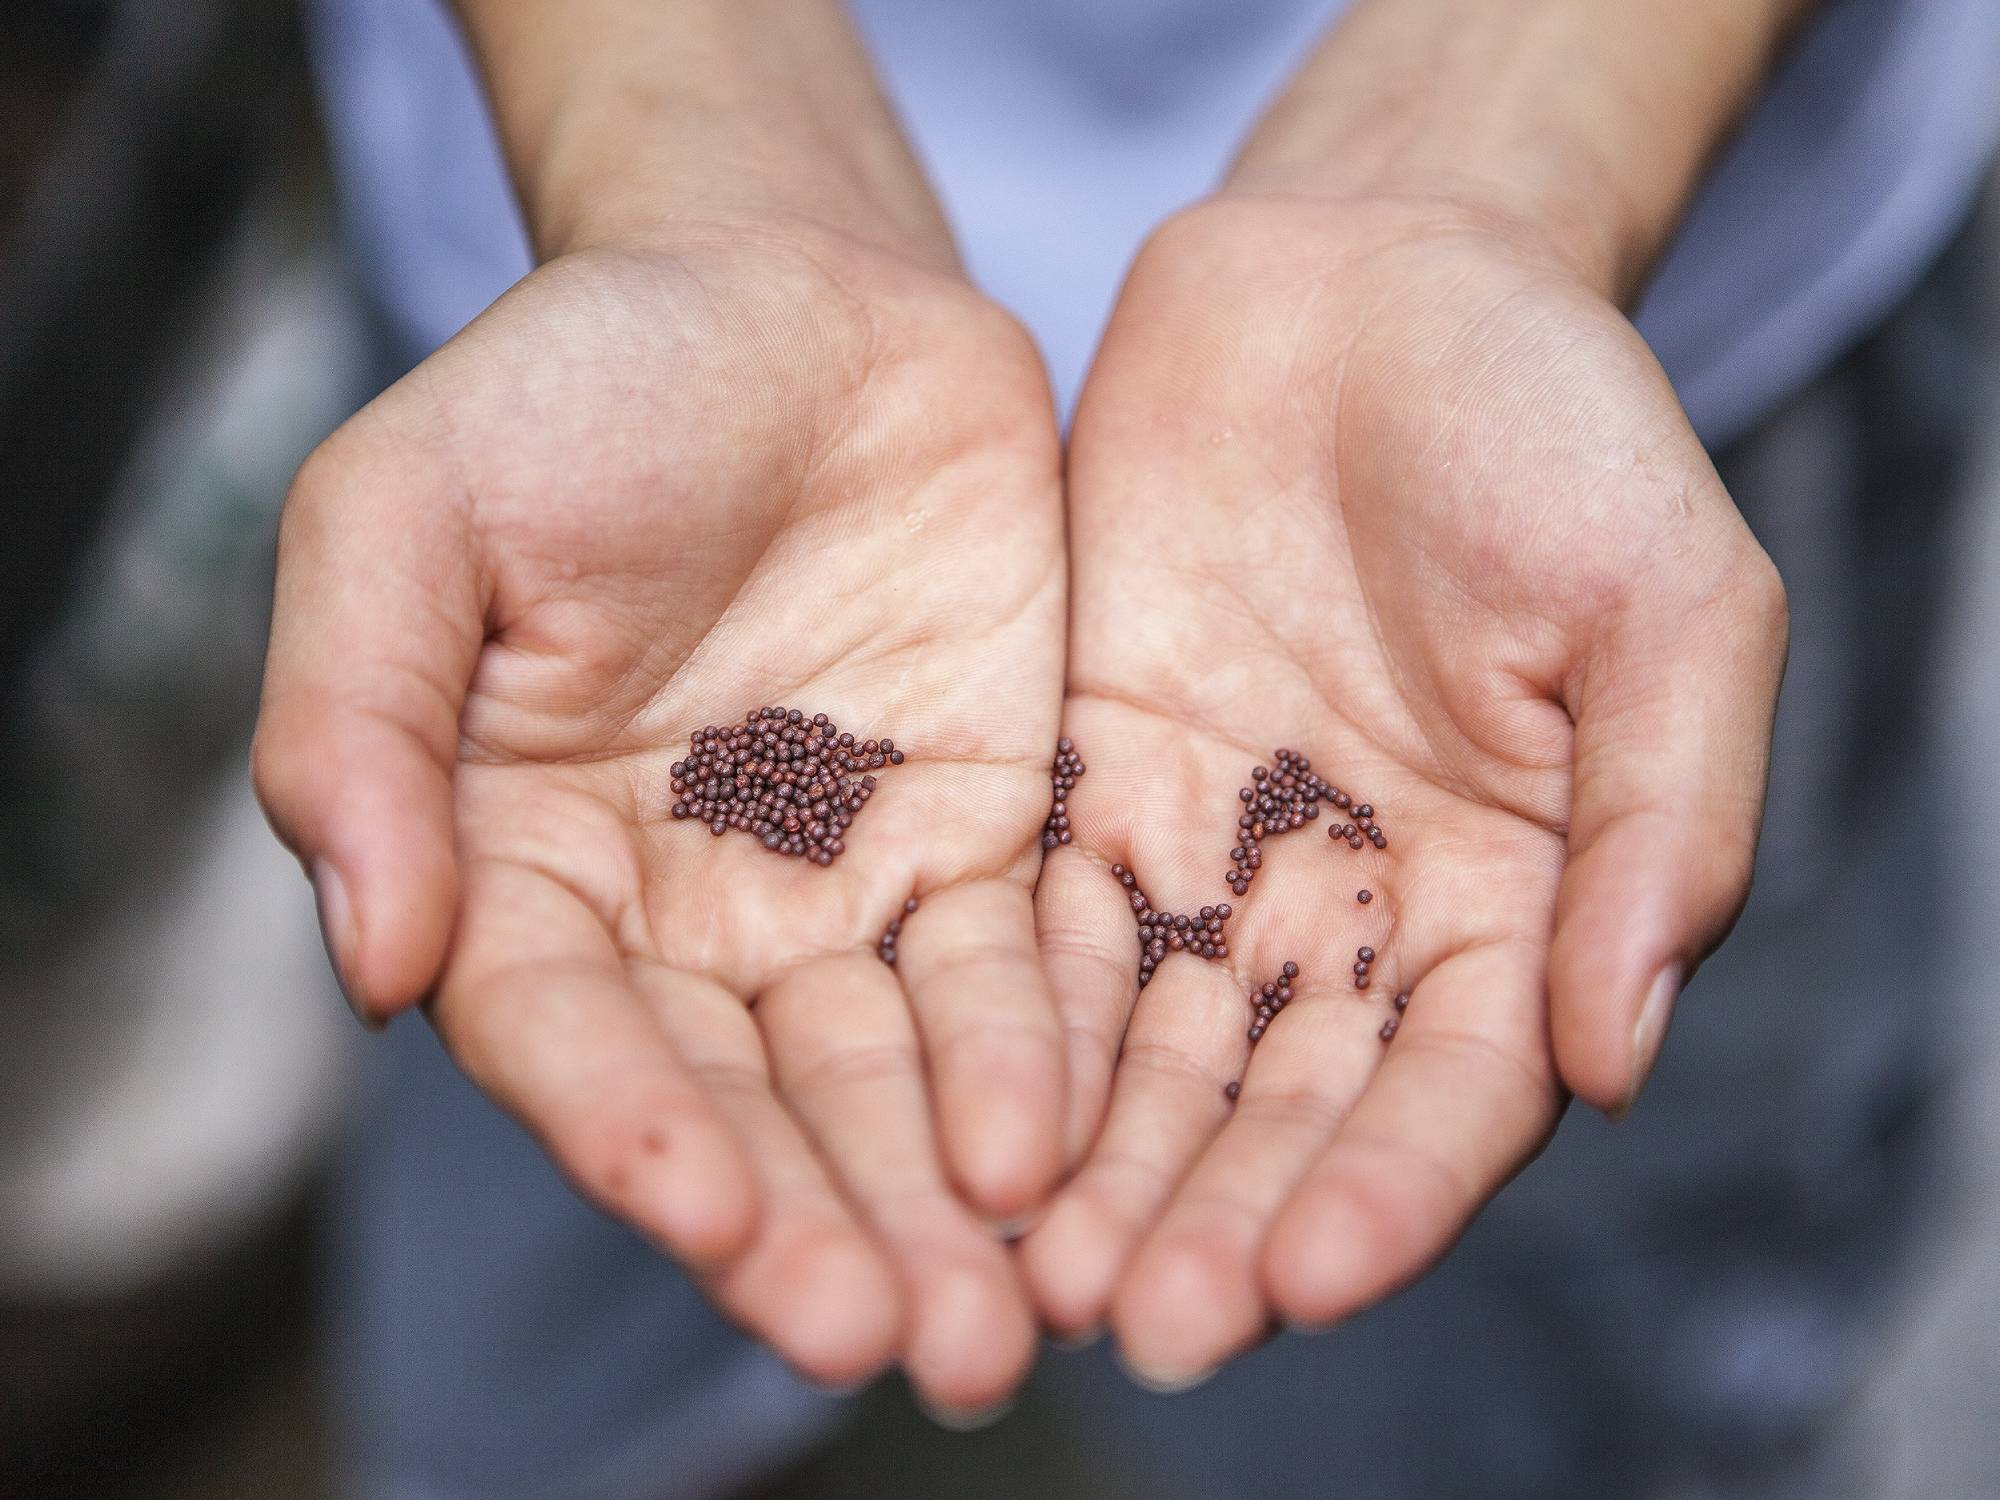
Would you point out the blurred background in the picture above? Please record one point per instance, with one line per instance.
(179, 324)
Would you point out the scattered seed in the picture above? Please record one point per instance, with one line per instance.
(885, 947)
(1388, 1031)
(1231, 1090)
(1281, 797)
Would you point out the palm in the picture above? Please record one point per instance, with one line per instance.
(670, 541)
(1374, 489)
(691, 486)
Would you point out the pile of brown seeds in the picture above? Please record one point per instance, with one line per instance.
(885, 946)
(1286, 795)
(1063, 777)
(794, 782)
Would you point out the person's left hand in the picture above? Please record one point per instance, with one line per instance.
(1384, 483)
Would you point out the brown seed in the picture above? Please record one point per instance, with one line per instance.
(1365, 954)
(751, 776)
(1402, 1002)
(1388, 1031)
(1364, 897)
(1232, 1090)
(1064, 773)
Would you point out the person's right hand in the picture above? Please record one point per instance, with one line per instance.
(646, 491)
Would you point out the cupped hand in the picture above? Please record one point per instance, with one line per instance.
(1383, 483)
(649, 490)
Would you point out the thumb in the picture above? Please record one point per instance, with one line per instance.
(1673, 719)
(377, 624)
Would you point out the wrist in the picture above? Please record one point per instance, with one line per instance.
(629, 122)
(1575, 128)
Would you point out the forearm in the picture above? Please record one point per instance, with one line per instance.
(1583, 122)
(629, 117)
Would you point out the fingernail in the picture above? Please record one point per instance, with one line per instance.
(963, 1419)
(1009, 1230)
(336, 930)
(1311, 1330)
(1164, 1382)
(1648, 1032)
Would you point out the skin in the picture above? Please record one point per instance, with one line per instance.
(780, 455)
(1371, 464)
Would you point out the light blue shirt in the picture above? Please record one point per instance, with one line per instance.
(1060, 131)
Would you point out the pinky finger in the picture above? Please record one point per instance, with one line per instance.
(1465, 1097)
(537, 1009)
(811, 1283)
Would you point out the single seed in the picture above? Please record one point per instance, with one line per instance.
(1365, 954)
(1232, 1090)
(1364, 897)
(1402, 1002)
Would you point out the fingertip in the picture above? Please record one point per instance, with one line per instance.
(971, 1341)
(1005, 1151)
(370, 816)
(844, 1319)
(705, 1199)
(336, 930)
(1318, 1266)
(1181, 1309)
(1649, 1034)
(1615, 968)
(386, 934)
(1068, 1268)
